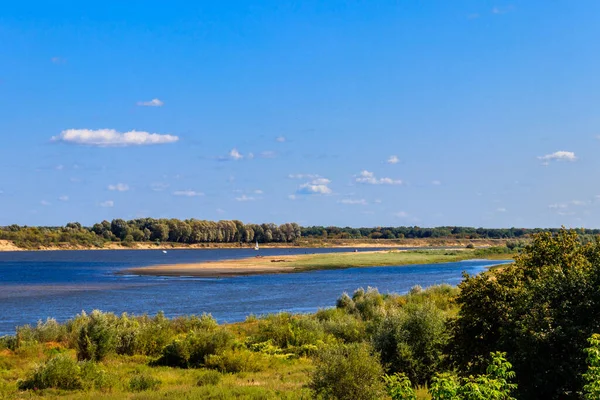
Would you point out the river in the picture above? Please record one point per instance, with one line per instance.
(60, 284)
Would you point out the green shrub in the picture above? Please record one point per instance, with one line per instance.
(209, 377)
(126, 330)
(192, 350)
(154, 334)
(8, 343)
(239, 360)
(344, 326)
(94, 377)
(49, 331)
(141, 381)
(348, 372)
(60, 372)
(96, 338)
(412, 340)
(399, 387)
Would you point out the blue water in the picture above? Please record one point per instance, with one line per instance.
(60, 284)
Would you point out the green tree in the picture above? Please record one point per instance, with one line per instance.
(592, 376)
(541, 310)
(348, 372)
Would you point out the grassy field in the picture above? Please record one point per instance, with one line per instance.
(387, 258)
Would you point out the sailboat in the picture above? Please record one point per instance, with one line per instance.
(256, 246)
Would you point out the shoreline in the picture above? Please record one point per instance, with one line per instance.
(9, 246)
(304, 263)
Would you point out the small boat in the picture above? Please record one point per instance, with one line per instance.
(164, 251)
(256, 246)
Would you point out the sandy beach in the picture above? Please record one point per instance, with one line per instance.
(245, 266)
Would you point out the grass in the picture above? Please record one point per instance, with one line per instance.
(389, 258)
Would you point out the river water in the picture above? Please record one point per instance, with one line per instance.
(60, 284)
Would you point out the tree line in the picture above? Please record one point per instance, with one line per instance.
(193, 231)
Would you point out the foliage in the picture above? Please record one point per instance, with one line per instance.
(399, 387)
(540, 311)
(495, 385)
(347, 372)
(592, 376)
(209, 377)
(60, 372)
(412, 341)
(96, 338)
(192, 350)
(237, 360)
(142, 381)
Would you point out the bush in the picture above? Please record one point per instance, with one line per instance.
(399, 387)
(154, 334)
(140, 382)
(234, 361)
(343, 326)
(8, 343)
(96, 338)
(49, 331)
(94, 377)
(209, 377)
(348, 372)
(60, 372)
(192, 350)
(412, 341)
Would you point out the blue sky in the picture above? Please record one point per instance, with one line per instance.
(353, 113)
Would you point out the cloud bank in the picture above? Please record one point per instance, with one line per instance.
(369, 178)
(112, 138)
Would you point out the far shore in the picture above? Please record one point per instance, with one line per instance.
(307, 262)
(6, 245)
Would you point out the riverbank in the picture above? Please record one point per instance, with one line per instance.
(308, 262)
(8, 245)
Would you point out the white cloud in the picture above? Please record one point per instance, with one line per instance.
(63, 198)
(110, 137)
(401, 214)
(220, 211)
(245, 198)
(187, 193)
(393, 160)
(151, 103)
(292, 197)
(557, 206)
(316, 186)
(107, 204)
(59, 167)
(361, 202)
(235, 155)
(303, 176)
(258, 191)
(558, 156)
(45, 203)
(309, 188)
(119, 187)
(370, 179)
(501, 209)
(436, 182)
(377, 201)
(280, 139)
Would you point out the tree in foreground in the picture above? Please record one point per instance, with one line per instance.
(540, 311)
(348, 372)
(592, 376)
(495, 385)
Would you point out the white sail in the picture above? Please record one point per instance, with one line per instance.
(256, 247)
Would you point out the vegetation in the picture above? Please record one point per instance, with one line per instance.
(193, 231)
(526, 331)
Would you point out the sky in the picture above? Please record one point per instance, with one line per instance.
(348, 113)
